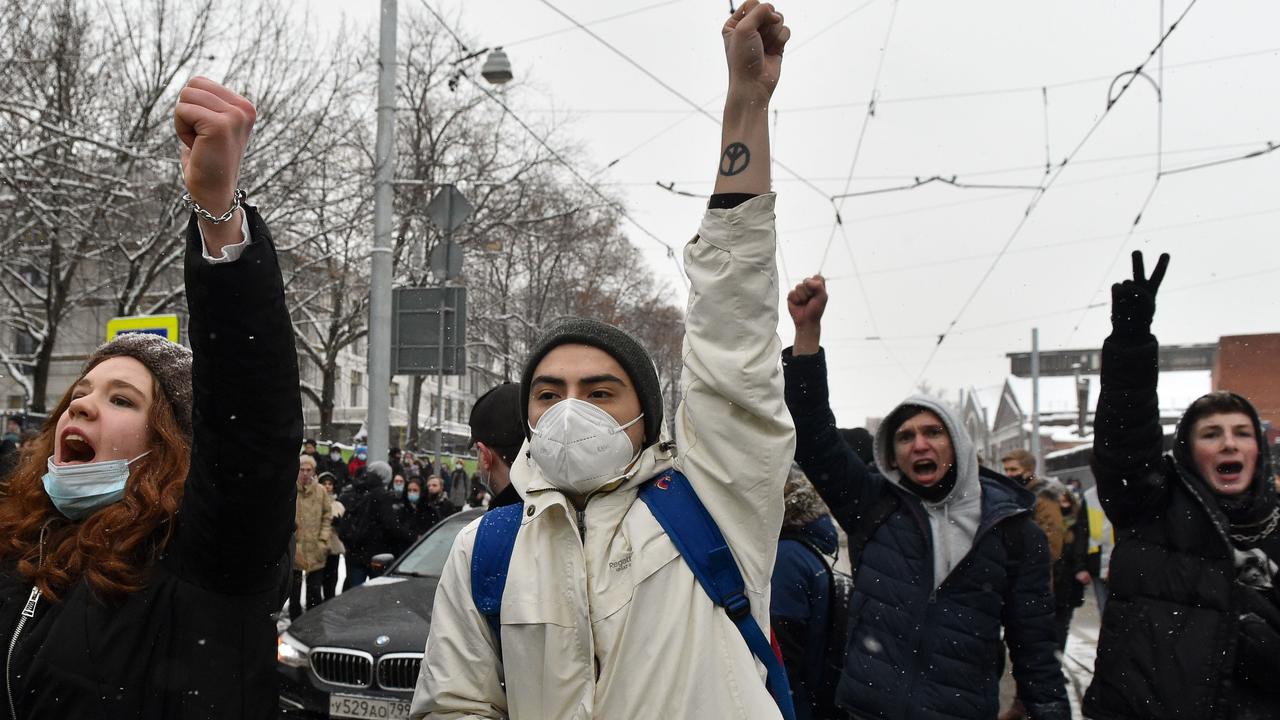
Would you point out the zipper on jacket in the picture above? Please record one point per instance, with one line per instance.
(582, 526)
(28, 612)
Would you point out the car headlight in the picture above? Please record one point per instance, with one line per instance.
(291, 652)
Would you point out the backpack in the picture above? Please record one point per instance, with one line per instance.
(357, 525)
(839, 591)
(685, 519)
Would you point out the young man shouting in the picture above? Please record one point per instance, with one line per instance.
(951, 555)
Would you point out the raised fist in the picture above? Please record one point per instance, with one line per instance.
(807, 301)
(213, 124)
(754, 38)
(1133, 302)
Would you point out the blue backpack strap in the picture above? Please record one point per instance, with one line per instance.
(685, 519)
(495, 539)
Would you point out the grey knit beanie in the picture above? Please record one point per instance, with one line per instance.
(621, 347)
(169, 363)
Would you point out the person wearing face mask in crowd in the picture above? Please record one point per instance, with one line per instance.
(952, 558)
(333, 464)
(416, 516)
(601, 617)
(460, 484)
(359, 459)
(144, 538)
(313, 516)
(1192, 625)
(412, 468)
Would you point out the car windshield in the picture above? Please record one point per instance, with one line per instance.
(427, 557)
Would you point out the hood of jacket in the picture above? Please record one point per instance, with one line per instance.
(953, 520)
(1255, 505)
(821, 531)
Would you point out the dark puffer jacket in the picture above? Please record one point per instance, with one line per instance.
(198, 640)
(916, 651)
(1170, 639)
(800, 609)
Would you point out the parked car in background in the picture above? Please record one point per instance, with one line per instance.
(357, 655)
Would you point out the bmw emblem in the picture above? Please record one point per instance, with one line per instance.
(381, 640)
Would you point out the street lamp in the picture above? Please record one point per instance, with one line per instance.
(497, 68)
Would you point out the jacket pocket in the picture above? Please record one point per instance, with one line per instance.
(636, 554)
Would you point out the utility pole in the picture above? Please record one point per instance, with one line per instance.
(1035, 401)
(378, 419)
(444, 283)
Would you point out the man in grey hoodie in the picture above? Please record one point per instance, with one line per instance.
(950, 555)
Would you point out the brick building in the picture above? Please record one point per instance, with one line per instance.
(1249, 365)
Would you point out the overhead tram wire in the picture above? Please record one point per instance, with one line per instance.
(684, 98)
(1270, 146)
(671, 251)
(1155, 182)
(862, 133)
(1035, 200)
(598, 21)
(838, 202)
(1275, 269)
(791, 52)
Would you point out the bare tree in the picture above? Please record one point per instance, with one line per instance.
(89, 160)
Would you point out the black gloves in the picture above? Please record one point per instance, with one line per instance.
(1257, 652)
(1133, 302)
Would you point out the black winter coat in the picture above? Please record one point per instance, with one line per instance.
(1067, 591)
(198, 640)
(915, 652)
(370, 522)
(1170, 633)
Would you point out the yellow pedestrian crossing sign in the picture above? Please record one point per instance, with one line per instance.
(166, 326)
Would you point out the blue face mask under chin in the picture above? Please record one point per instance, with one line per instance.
(79, 490)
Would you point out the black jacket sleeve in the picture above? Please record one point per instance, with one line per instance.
(233, 529)
(845, 483)
(1029, 628)
(1128, 437)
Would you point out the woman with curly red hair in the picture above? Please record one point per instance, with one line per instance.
(144, 538)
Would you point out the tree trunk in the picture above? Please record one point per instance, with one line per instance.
(415, 403)
(40, 376)
(328, 383)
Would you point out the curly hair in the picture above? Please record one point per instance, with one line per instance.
(113, 548)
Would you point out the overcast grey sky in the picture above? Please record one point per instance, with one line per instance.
(959, 93)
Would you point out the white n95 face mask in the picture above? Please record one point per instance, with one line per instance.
(581, 448)
(78, 490)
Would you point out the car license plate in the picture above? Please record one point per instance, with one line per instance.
(360, 706)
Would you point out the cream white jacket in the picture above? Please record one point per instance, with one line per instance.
(601, 618)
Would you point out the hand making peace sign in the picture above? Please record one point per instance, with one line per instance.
(1133, 302)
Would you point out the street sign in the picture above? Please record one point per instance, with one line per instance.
(416, 331)
(166, 326)
(446, 260)
(449, 209)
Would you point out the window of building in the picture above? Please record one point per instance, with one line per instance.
(357, 379)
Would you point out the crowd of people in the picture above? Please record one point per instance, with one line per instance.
(348, 512)
(630, 564)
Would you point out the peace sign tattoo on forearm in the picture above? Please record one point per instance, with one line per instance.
(735, 159)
